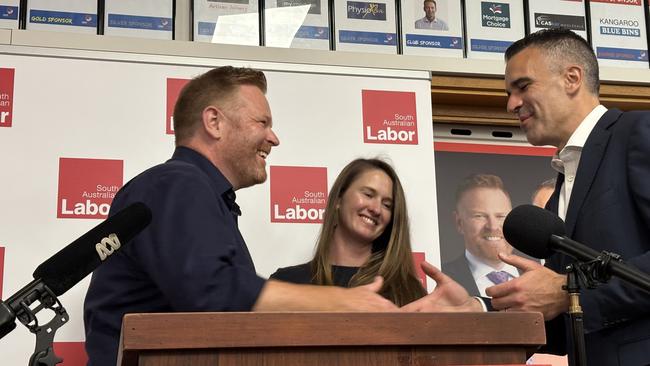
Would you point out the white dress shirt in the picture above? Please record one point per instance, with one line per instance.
(568, 159)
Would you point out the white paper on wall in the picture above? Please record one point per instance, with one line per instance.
(9, 12)
(442, 36)
(492, 27)
(618, 33)
(78, 16)
(139, 18)
(297, 24)
(227, 21)
(558, 14)
(365, 26)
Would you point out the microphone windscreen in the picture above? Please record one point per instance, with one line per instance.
(529, 228)
(74, 262)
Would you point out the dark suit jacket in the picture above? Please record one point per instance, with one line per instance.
(609, 210)
(458, 269)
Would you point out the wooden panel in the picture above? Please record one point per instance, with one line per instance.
(224, 330)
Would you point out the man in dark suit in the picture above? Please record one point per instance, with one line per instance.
(482, 204)
(603, 193)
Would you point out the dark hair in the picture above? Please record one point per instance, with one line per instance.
(560, 46)
(391, 255)
(479, 180)
(216, 86)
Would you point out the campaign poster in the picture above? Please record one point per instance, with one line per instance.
(557, 14)
(432, 28)
(227, 21)
(77, 16)
(492, 27)
(9, 12)
(139, 18)
(365, 26)
(297, 24)
(618, 33)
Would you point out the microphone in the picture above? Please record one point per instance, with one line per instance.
(539, 232)
(73, 263)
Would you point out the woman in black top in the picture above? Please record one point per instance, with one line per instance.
(365, 233)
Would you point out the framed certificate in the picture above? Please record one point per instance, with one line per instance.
(227, 21)
(365, 26)
(297, 23)
(432, 27)
(493, 26)
(557, 14)
(79, 16)
(618, 33)
(139, 18)
(9, 12)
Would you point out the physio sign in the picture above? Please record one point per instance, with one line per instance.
(298, 194)
(389, 117)
(87, 187)
(6, 96)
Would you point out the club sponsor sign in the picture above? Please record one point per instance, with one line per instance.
(87, 187)
(6, 96)
(174, 87)
(298, 194)
(389, 117)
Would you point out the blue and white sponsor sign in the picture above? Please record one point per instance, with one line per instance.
(226, 21)
(489, 45)
(492, 26)
(139, 18)
(420, 40)
(79, 16)
(297, 24)
(622, 54)
(9, 11)
(432, 29)
(365, 26)
(376, 38)
(618, 33)
(558, 14)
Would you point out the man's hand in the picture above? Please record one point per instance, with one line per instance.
(283, 296)
(448, 296)
(367, 298)
(537, 289)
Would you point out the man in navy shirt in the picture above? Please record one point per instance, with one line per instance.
(192, 256)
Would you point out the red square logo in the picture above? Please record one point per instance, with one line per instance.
(6, 97)
(174, 87)
(87, 187)
(389, 117)
(418, 257)
(2, 269)
(298, 194)
(72, 353)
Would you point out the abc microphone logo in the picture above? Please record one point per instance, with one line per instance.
(107, 246)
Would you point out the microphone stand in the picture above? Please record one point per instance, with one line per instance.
(575, 313)
(18, 306)
(592, 274)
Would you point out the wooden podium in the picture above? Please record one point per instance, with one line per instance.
(305, 338)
